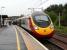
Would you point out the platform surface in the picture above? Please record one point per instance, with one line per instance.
(16, 38)
(8, 39)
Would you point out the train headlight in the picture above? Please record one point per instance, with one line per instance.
(51, 26)
(35, 27)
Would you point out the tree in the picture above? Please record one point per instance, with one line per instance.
(52, 15)
(55, 10)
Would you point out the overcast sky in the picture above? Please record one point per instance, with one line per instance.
(18, 7)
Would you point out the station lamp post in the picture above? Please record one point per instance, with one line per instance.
(1, 14)
(59, 19)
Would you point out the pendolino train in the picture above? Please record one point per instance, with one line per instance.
(38, 23)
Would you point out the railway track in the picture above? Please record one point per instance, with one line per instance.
(59, 41)
(60, 38)
(55, 43)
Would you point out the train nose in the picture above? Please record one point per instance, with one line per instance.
(44, 31)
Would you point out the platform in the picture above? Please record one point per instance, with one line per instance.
(16, 38)
(8, 39)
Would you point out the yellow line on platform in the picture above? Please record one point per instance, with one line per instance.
(18, 42)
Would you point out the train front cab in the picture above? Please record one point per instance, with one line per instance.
(40, 29)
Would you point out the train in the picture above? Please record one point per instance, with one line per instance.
(39, 23)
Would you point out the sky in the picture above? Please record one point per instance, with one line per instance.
(18, 7)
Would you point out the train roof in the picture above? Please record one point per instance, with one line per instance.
(38, 13)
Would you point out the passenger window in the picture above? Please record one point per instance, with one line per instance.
(23, 21)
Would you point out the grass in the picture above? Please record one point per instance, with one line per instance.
(61, 29)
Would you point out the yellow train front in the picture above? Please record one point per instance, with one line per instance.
(39, 24)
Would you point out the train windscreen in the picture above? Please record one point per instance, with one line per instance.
(42, 20)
